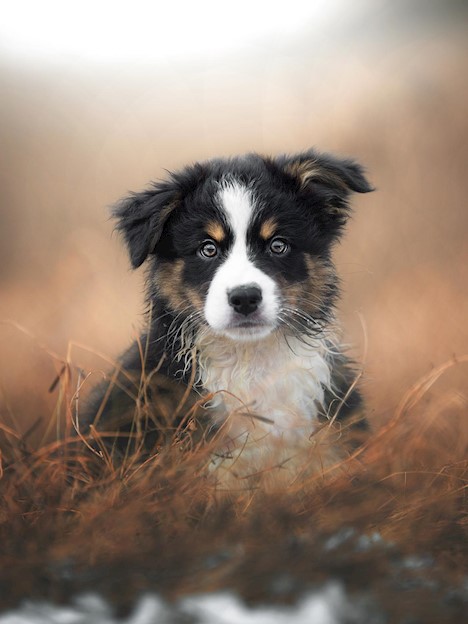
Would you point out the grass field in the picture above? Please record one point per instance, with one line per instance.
(388, 521)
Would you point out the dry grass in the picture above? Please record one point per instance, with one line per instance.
(74, 519)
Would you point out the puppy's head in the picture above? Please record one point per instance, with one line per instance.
(243, 245)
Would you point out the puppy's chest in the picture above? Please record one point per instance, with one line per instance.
(275, 386)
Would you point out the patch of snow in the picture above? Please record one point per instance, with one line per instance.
(328, 606)
(325, 607)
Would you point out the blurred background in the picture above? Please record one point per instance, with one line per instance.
(98, 98)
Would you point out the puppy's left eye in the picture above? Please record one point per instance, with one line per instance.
(279, 246)
(208, 249)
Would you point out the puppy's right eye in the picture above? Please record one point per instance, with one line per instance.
(208, 249)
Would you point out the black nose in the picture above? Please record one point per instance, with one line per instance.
(245, 299)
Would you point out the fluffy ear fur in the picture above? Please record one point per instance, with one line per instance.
(141, 218)
(330, 177)
(311, 167)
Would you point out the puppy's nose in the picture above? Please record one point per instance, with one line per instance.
(245, 299)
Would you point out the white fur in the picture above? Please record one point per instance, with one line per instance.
(279, 379)
(237, 202)
(267, 387)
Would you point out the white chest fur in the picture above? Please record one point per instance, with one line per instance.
(271, 387)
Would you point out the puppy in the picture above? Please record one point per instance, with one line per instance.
(241, 291)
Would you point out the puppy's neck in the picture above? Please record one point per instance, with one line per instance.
(280, 379)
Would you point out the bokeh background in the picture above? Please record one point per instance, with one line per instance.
(98, 99)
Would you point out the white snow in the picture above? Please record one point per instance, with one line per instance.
(328, 606)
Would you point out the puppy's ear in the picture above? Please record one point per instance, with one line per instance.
(341, 174)
(327, 177)
(141, 218)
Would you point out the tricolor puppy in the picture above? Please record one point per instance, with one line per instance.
(241, 290)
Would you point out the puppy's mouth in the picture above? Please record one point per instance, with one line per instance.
(248, 328)
(247, 324)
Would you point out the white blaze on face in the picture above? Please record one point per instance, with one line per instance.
(237, 202)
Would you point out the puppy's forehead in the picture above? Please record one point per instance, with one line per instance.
(236, 201)
(249, 212)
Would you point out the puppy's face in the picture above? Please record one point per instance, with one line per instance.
(243, 245)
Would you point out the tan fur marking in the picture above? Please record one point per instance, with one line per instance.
(171, 286)
(321, 274)
(291, 292)
(304, 171)
(195, 298)
(268, 228)
(311, 170)
(216, 231)
(169, 280)
(310, 295)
